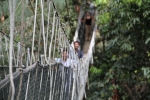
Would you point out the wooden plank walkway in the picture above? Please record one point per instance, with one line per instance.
(86, 47)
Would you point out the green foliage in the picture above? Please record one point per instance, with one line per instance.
(97, 2)
(104, 18)
(95, 70)
(124, 26)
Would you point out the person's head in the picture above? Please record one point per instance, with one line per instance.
(88, 3)
(76, 45)
(88, 13)
(65, 54)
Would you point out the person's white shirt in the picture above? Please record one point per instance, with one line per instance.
(68, 63)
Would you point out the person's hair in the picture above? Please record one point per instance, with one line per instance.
(88, 13)
(65, 50)
(77, 42)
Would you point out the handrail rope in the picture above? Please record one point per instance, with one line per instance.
(12, 4)
(8, 36)
(57, 14)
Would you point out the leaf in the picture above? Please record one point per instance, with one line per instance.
(126, 46)
(147, 40)
(95, 70)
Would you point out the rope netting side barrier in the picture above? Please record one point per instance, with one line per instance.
(40, 84)
(37, 70)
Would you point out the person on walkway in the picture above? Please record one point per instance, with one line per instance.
(88, 19)
(91, 8)
(68, 77)
(65, 59)
(77, 50)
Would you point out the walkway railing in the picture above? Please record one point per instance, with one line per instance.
(88, 57)
(39, 73)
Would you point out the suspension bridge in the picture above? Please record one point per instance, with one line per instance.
(31, 72)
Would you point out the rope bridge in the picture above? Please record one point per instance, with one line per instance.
(35, 71)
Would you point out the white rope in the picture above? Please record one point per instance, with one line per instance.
(34, 32)
(51, 78)
(54, 84)
(6, 49)
(18, 54)
(62, 85)
(56, 32)
(2, 58)
(28, 57)
(74, 85)
(1, 50)
(55, 37)
(1, 43)
(53, 28)
(43, 31)
(48, 73)
(40, 83)
(49, 3)
(58, 35)
(15, 61)
(27, 86)
(27, 1)
(6, 43)
(12, 25)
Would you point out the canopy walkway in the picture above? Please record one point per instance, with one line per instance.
(34, 72)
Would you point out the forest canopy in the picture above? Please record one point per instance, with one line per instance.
(122, 58)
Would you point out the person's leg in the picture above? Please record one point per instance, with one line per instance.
(89, 31)
(86, 31)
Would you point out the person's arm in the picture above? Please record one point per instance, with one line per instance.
(83, 20)
(81, 54)
(92, 19)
